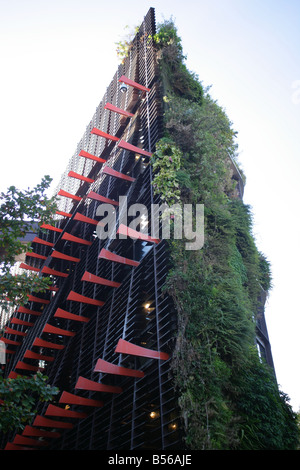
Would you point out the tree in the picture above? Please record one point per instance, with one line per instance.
(20, 212)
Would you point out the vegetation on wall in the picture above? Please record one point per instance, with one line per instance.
(228, 397)
(20, 213)
(125, 44)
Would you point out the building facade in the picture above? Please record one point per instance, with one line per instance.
(104, 333)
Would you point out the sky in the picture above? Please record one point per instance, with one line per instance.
(57, 58)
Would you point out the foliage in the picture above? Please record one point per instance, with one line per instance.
(166, 162)
(167, 36)
(20, 212)
(228, 398)
(18, 400)
(267, 420)
(181, 81)
(14, 288)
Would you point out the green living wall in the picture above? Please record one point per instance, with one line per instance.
(228, 398)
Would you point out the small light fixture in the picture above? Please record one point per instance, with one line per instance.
(154, 414)
(123, 87)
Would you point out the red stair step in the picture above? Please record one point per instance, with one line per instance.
(40, 357)
(132, 148)
(10, 341)
(85, 219)
(32, 298)
(29, 268)
(31, 431)
(8, 351)
(104, 134)
(85, 154)
(57, 331)
(113, 108)
(109, 368)
(53, 288)
(129, 82)
(21, 440)
(72, 238)
(53, 410)
(134, 234)
(10, 446)
(17, 321)
(14, 375)
(99, 280)
(11, 331)
(53, 272)
(47, 344)
(35, 255)
(57, 254)
(110, 171)
(42, 242)
(72, 174)
(70, 316)
(51, 227)
(65, 214)
(50, 423)
(98, 197)
(23, 365)
(30, 312)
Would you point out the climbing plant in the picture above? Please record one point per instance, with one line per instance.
(125, 44)
(21, 211)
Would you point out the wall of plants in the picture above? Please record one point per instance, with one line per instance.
(228, 398)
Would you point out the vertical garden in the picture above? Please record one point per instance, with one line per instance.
(228, 397)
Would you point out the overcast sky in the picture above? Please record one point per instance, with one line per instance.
(57, 58)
